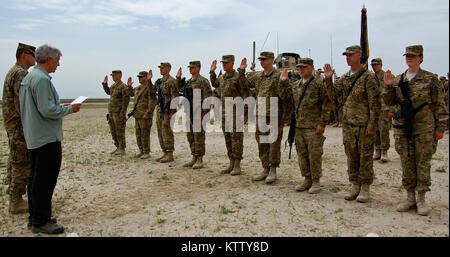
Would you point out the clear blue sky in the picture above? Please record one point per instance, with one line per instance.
(96, 37)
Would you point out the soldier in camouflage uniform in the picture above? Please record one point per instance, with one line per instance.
(144, 106)
(360, 112)
(428, 125)
(229, 86)
(18, 166)
(382, 142)
(196, 139)
(169, 89)
(312, 116)
(445, 90)
(267, 84)
(117, 108)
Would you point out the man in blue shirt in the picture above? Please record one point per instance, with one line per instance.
(41, 115)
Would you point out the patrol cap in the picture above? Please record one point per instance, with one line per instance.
(228, 58)
(114, 72)
(142, 74)
(266, 55)
(352, 50)
(442, 78)
(305, 62)
(26, 48)
(194, 64)
(165, 64)
(376, 61)
(414, 50)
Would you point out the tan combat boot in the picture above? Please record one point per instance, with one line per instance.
(168, 158)
(315, 187)
(17, 205)
(229, 168)
(191, 163)
(120, 151)
(305, 185)
(162, 157)
(364, 195)
(145, 156)
(262, 176)
(272, 175)
(113, 152)
(139, 155)
(377, 155)
(422, 209)
(409, 203)
(384, 157)
(199, 163)
(237, 168)
(353, 193)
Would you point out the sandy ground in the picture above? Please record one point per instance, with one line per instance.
(102, 195)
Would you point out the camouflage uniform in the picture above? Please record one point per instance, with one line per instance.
(144, 104)
(313, 111)
(384, 122)
(424, 88)
(360, 111)
(229, 86)
(117, 106)
(18, 166)
(169, 89)
(269, 85)
(197, 139)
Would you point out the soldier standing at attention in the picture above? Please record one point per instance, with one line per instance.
(313, 107)
(117, 108)
(144, 105)
(167, 90)
(18, 167)
(229, 86)
(382, 143)
(267, 84)
(196, 139)
(416, 141)
(359, 92)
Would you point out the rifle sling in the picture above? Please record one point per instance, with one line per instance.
(354, 82)
(304, 92)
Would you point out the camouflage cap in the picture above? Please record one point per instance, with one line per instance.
(266, 55)
(26, 47)
(142, 74)
(194, 64)
(352, 50)
(114, 72)
(165, 64)
(228, 58)
(376, 61)
(414, 50)
(442, 78)
(305, 62)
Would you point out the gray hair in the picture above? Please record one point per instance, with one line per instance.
(45, 51)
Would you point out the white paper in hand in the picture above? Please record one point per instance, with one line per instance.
(79, 100)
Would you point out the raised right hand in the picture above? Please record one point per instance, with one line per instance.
(179, 73)
(150, 75)
(243, 65)
(214, 65)
(388, 78)
(327, 71)
(106, 79)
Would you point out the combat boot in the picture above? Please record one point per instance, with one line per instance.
(113, 152)
(16, 204)
(168, 158)
(162, 157)
(384, 157)
(315, 187)
(262, 176)
(272, 175)
(377, 155)
(422, 209)
(229, 168)
(353, 193)
(237, 168)
(191, 163)
(364, 195)
(409, 203)
(199, 163)
(120, 151)
(145, 156)
(139, 155)
(305, 185)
